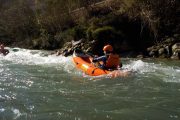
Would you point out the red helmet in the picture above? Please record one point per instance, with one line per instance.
(108, 48)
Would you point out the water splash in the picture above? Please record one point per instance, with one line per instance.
(162, 71)
(16, 113)
(37, 57)
(33, 57)
(41, 58)
(13, 113)
(139, 66)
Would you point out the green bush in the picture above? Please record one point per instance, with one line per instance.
(75, 33)
(79, 32)
(104, 34)
(64, 36)
(45, 42)
(89, 32)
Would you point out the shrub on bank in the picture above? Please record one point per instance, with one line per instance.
(138, 22)
(79, 32)
(104, 34)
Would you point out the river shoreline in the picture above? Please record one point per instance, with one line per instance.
(168, 49)
(134, 28)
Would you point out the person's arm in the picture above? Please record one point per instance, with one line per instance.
(102, 58)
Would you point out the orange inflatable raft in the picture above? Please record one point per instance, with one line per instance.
(84, 63)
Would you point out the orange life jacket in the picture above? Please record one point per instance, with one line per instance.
(113, 61)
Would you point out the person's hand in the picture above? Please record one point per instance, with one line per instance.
(93, 60)
(95, 56)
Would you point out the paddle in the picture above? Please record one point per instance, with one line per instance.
(90, 54)
(93, 56)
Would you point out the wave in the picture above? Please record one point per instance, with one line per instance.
(160, 70)
(169, 73)
(38, 57)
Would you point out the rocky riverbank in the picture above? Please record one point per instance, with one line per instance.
(135, 28)
(168, 48)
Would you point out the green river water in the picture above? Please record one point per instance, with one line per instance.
(37, 86)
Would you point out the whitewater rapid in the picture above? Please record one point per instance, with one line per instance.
(37, 84)
(169, 73)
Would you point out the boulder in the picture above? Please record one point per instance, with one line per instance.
(175, 56)
(68, 45)
(140, 56)
(167, 51)
(169, 40)
(161, 51)
(175, 47)
(67, 52)
(176, 51)
(152, 53)
(74, 43)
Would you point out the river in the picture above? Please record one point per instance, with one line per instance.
(37, 86)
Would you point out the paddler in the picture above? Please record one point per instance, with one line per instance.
(3, 51)
(110, 60)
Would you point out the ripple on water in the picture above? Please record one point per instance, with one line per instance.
(50, 87)
(10, 113)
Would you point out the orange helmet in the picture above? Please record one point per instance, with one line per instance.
(108, 48)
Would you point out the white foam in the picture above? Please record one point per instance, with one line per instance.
(139, 66)
(39, 57)
(171, 74)
(36, 57)
(16, 113)
(2, 109)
